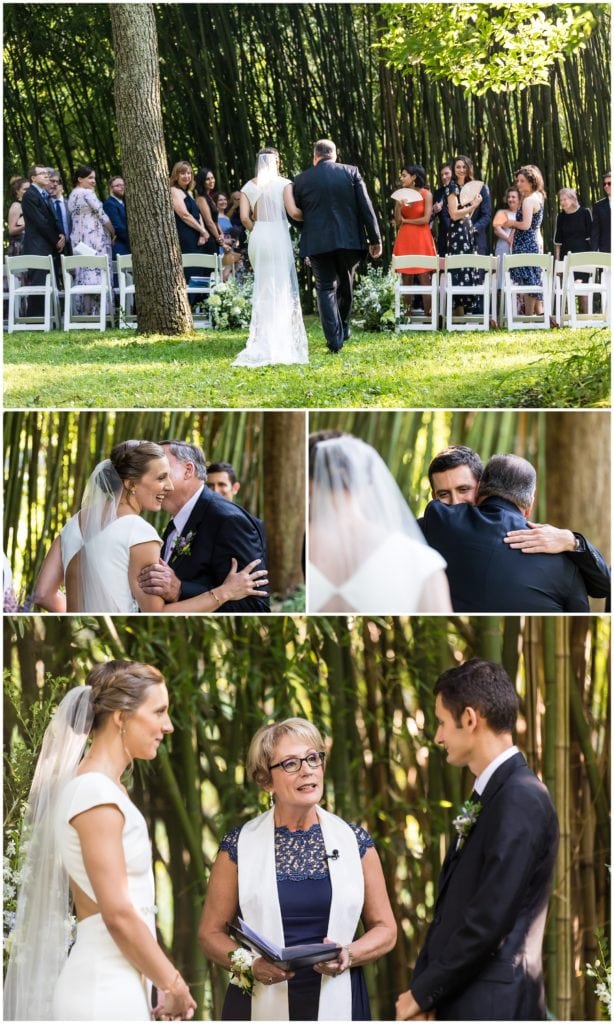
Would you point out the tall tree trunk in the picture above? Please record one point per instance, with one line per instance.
(284, 501)
(161, 300)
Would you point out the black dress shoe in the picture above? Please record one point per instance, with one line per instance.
(346, 332)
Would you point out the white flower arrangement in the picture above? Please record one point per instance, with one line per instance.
(230, 304)
(241, 973)
(373, 304)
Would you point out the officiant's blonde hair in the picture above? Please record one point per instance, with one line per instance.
(262, 747)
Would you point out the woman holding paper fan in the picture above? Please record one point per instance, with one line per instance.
(296, 874)
(461, 238)
(413, 219)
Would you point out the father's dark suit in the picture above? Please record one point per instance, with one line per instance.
(115, 210)
(220, 531)
(486, 575)
(42, 234)
(601, 231)
(482, 958)
(338, 220)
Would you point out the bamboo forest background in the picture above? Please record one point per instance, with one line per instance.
(235, 77)
(50, 455)
(368, 685)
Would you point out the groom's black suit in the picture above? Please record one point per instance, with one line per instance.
(221, 531)
(338, 220)
(482, 956)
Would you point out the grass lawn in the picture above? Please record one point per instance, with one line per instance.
(120, 369)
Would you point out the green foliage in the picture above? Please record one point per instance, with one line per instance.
(601, 972)
(373, 306)
(582, 380)
(387, 370)
(486, 46)
(230, 304)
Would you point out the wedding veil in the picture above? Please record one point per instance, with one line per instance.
(42, 931)
(98, 510)
(355, 506)
(269, 203)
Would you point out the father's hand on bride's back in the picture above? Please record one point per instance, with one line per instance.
(160, 581)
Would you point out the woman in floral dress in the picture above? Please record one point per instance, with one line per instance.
(461, 236)
(526, 226)
(89, 224)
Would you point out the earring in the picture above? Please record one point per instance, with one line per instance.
(271, 800)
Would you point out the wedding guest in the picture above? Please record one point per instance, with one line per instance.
(527, 234)
(222, 479)
(505, 235)
(485, 574)
(101, 550)
(601, 234)
(42, 232)
(60, 205)
(367, 554)
(461, 236)
(193, 236)
(82, 831)
(440, 209)
(115, 209)
(572, 233)
(482, 956)
(299, 874)
(206, 200)
(414, 233)
(15, 222)
(480, 218)
(89, 224)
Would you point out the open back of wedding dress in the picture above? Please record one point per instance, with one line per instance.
(367, 553)
(277, 332)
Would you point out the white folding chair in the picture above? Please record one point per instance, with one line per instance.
(99, 289)
(598, 266)
(416, 321)
(16, 268)
(202, 285)
(557, 291)
(486, 289)
(520, 321)
(127, 316)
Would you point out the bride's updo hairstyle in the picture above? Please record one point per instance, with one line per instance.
(119, 686)
(266, 151)
(130, 459)
(262, 748)
(341, 462)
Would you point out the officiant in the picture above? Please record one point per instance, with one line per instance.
(296, 874)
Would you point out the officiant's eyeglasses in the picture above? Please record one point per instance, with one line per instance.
(291, 765)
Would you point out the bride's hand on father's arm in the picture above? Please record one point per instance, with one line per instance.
(159, 580)
(246, 582)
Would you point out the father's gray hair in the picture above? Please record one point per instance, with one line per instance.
(185, 452)
(325, 148)
(510, 477)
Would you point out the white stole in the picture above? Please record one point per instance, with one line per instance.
(259, 902)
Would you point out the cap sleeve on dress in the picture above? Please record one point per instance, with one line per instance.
(141, 531)
(230, 843)
(92, 790)
(363, 838)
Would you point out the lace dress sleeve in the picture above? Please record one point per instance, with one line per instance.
(363, 838)
(230, 842)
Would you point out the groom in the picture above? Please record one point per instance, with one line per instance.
(482, 955)
(338, 219)
(205, 533)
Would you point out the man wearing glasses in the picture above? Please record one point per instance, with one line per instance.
(601, 234)
(42, 231)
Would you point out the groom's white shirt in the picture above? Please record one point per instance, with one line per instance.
(484, 777)
(180, 519)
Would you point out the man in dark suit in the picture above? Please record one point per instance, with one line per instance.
(42, 231)
(338, 220)
(601, 231)
(440, 209)
(455, 474)
(115, 208)
(62, 215)
(487, 575)
(205, 533)
(482, 958)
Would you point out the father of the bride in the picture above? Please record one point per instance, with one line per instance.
(205, 533)
(487, 575)
(338, 220)
(482, 958)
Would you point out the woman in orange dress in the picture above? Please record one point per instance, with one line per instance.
(413, 221)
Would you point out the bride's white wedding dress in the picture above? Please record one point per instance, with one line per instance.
(97, 982)
(391, 580)
(277, 332)
(106, 587)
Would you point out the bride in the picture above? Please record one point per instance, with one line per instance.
(276, 332)
(366, 551)
(100, 551)
(82, 831)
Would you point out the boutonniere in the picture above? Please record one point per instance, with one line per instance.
(466, 818)
(182, 545)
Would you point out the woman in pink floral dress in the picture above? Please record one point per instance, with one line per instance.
(91, 225)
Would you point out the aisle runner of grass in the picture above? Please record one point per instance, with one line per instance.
(118, 369)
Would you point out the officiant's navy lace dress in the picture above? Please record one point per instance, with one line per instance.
(303, 884)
